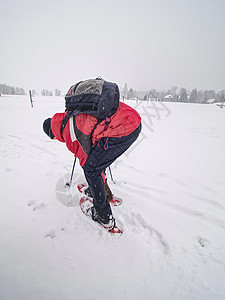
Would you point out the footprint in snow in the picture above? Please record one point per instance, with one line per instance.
(204, 243)
(31, 203)
(38, 206)
(53, 233)
(137, 224)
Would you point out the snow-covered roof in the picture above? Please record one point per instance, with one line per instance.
(211, 101)
(168, 97)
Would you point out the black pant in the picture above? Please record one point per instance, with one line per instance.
(104, 153)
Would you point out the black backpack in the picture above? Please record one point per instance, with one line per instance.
(96, 97)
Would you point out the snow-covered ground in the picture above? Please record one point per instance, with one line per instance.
(173, 212)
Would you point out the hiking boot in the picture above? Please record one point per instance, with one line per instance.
(107, 224)
(87, 192)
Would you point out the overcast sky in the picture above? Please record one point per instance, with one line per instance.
(144, 43)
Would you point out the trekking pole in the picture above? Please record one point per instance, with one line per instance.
(71, 177)
(111, 175)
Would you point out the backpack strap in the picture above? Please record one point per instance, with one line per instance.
(64, 122)
(68, 115)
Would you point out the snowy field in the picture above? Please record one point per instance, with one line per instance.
(173, 212)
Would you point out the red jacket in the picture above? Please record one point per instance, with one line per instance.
(122, 123)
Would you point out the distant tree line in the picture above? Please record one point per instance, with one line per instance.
(46, 92)
(175, 95)
(10, 90)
